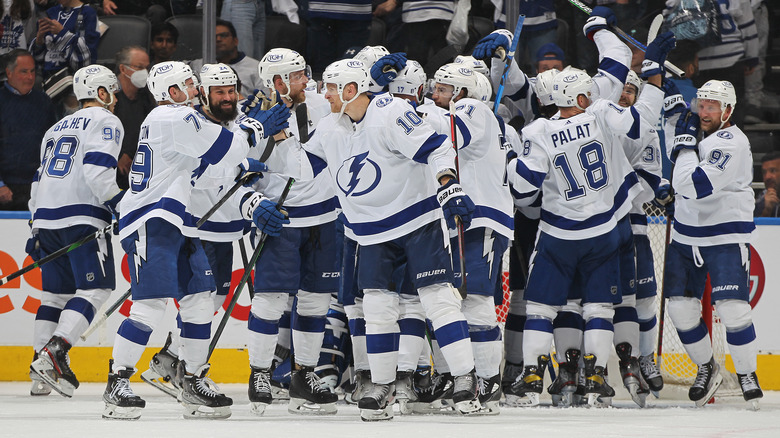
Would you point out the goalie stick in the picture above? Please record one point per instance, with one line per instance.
(100, 321)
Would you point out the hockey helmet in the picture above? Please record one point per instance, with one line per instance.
(483, 91)
(568, 84)
(215, 75)
(280, 62)
(88, 80)
(344, 72)
(477, 65)
(544, 86)
(409, 80)
(169, 74)
(371, 54)
(457, 75)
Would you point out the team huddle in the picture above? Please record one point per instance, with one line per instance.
(383, 215)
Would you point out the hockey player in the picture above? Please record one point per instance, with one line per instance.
(360, 143)
(481, 158)
(300, 262)
(157, 233)
(74, 193)
(707, 238)
(587, 186)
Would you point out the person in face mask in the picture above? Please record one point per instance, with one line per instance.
(134, 102)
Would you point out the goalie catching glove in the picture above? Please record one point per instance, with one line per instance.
(264, 214)
(454, 202)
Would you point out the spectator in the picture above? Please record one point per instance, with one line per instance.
(768, 202)
(133, 103)
(153, 10)
(165, 37)
(334, 27)
(540, 28)
(228, 53)
(25, 115)
(17, 24)
(248, 17)
(685, 55)
(549, 57)
(425, 29)
(67, 37)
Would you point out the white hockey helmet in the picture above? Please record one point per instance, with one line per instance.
(568, 84)
(457, 75)
(409, 81)
(88, 80)
(544, 86)
(633, 79)
(371, 54)
(344, 72)
(169, 74)
(215, 75)
(483, 91)
(280, 62)
(473, 63)
(721, 91)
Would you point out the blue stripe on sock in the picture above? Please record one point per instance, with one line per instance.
(284, 321)
(357, 327)
(539, 324)
(48, 313)
(309, 324)
(191, 330)
(491, 335)
(693, 335)
(382, 343)
(263, 326)
(515, 323)
(599, 324)
(452, 332)
(741, 337)
(646, 326)
(412, 327)
(134, 332)
(569, 320)
(82, 306)
(625, 314)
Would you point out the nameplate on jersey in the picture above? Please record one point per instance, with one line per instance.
(73, 123)
(570, 134)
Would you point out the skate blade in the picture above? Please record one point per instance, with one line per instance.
(468, 407)
(433, 408)
(563, 400)
(488, 408)
(711, 393)
(39, 387)
(156, 380)
(656, 394)
(639, 399)
(598, 401)
(45, 370)
(113, 412)
(257, 408)
(528, 400)
(280, 394)
(385, 414)
(305, 407)
(404, 406)
(193, 411)
(752, 405)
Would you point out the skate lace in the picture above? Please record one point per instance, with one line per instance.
(747, 382)
(482, 386)
(378, 392)
(648, 366)
(464, 383)
(122, 389)
(314, 382)
(202, 385)
(261, 382)
(702, 376)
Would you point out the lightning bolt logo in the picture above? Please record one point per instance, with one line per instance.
(354, 170)
(487, 250)
(139, 255)
(357, 186)
(102, 253)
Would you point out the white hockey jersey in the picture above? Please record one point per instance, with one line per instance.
(175, 145)
(644, 154)
(78, 170)
(714, 201)
(383, 168)
(579, 164)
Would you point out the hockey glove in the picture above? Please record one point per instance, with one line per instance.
(664, 197)
(601, 17)
(253, 167)
(673, 100)
(264, 214)
(386, 69)
(486, 47)
(251, 101)
(656, 53)
(33, 247)
(454, 202)
(686, 134)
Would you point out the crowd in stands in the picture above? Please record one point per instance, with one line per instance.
(40, 39)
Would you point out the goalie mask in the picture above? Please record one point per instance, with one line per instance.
(88, 80)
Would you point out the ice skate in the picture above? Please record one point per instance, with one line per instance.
(510, 374)
(708, 380)
(564, 386)
(308, 395)
(121, 402)
(39, 387)
(489, 395)
(751, 391)
(259, 390)
(651, 374)
(596, 387)
(631, 374)
(198, 397)
(404, 392)
(377, 403)
(434, 392)
(162, 371)
(362, 384)
(465, 393)
(53, 366)
(528, 386)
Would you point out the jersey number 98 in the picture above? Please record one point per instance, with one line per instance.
(59, 156)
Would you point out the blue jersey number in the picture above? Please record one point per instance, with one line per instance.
(591, 158)
(59, 163)
(719, 159)
(408, 122)
(141, 170)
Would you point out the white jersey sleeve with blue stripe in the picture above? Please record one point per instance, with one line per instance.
(78, 170)
(644, 154)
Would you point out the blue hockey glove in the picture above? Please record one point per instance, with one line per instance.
(254, 167)
(673, 100)
(251, 101)
(486, 47)
(601, 17)
(656, 53)
(386, 69)
(265, 123)
(454, 202)
(686, 134)
(664, 197)
(33, 247)
(263, 213)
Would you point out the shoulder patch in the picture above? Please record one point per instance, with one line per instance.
(383, 101)
(725, 135)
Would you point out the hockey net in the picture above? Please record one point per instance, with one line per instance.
(676, 367)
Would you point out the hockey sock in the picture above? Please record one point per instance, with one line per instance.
(452, 333)
(484, 333)
(626, 324)
(134, 332)
(380, 307)
(599, 331)
(568, 328)
(513, 328)
(686, 317)
(357, 332)
(47, 318)
(648, 325)
(197, 312)
(264, 322)
(412, 326)
(308, 328)
(79, 313)
(740, 334)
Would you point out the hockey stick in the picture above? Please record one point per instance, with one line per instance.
(100, 321)
(245, 261)
(224, 199)
(247, 275)
(58, 253)
(459, 223)
(509, 59)
(677, 71)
